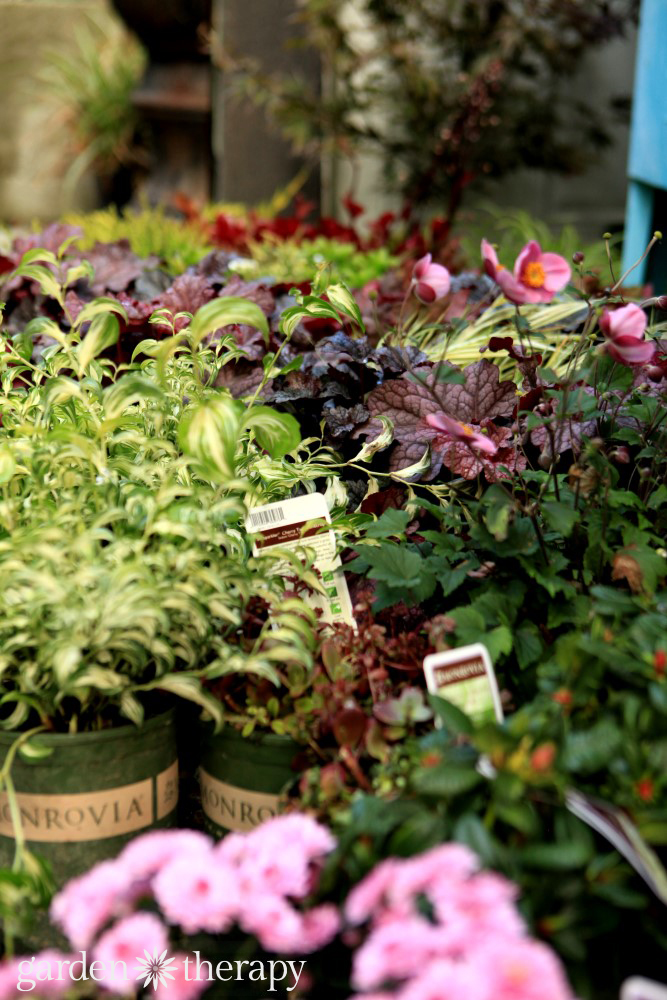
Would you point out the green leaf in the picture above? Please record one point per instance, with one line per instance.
(102, 333)
(404, 570)
(277, 433)
(528, 644)
(209, 432)
(188, 688)
(227, 311)
(558, 857)
(560, 517)
(34, 750)
(450, 715)
(446, 780)
(342, 298)
(499, 507)
(100, 307)
(48, 284)
(391, 522)
(590, 750)
(470, 830)
(128, 390)
(498, 641)
(7, 465)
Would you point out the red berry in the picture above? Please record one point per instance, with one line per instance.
(645, 790)
(563, 696)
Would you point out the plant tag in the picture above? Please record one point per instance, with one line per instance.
(466, 678)
(617, 827)
(293, 524)
(638, 988)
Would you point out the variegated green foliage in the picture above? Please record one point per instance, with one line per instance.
(125, 567)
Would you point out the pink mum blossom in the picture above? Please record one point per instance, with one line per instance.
(398, 949)
(146, 855)
(280, 855)
(521, 969)
(87, 903)
(121, 948)
(537, 276)
(439, 929)
(198, 893)
(449, 980)
(430, 281)
(462, 432)
(624, 330)
(276, 924)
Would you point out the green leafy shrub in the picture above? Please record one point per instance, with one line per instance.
(123, 555)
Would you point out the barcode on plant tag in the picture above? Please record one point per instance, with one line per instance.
(269, 516)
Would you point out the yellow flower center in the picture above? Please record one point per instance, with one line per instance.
(533, 274)
(467, 430)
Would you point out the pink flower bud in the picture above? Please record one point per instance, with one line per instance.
(430, 281)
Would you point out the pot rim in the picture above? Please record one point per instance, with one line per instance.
(9, 736)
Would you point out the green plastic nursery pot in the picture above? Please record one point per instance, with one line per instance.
(241, 778)
(94, 792)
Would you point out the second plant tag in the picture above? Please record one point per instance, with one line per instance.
(295, 523)
(466, 678)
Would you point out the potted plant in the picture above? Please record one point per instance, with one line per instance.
(124, 565)
(329, 722)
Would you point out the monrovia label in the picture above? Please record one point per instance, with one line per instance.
(466, 678)
(81, 816)
(235, 808)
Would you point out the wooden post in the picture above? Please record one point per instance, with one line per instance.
(252, 160)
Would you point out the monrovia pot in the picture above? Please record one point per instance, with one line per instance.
(241, 778)
(94, 792)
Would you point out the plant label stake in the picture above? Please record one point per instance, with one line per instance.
(466, 678)
(298, 524)
(638, 988)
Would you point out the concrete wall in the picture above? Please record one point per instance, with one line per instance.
(34, 149)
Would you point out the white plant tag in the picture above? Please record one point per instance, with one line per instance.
(638, 988)
(466, 678)
(293, 524)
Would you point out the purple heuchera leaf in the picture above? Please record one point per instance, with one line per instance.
(188, 293)
(115, 266)
(408, 403)
(482, 397)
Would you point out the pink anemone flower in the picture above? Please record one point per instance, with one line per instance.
(537, 276)
(430, 281)
(461, 432)
(624, 330)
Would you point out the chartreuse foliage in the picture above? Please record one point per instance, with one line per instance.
(149, 231)
(123, 495)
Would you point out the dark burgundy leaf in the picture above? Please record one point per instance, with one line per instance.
(294, 385)
(341, 419)
(115, 266)
(188, 293)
